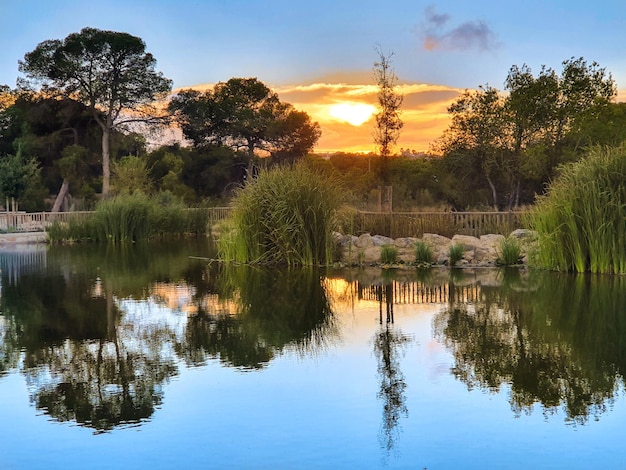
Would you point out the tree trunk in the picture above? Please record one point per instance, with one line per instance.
(61, 196)
(106, 168)
(494, 193)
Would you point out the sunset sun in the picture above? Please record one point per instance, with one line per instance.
(352, 113)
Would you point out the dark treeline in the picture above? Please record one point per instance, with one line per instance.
(63, 143)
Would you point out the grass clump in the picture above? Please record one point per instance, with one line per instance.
(423, 253)
(455, 253)
(510, 252)
(133, 217)
(286, 216)
(388, 254)
(581, 220)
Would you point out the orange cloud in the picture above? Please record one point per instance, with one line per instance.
(424, 113)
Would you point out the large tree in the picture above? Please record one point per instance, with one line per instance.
(244, 114)
(110, 72)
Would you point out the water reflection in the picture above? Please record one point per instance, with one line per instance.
(559, 341)
(388, 348)
(275, 309)
(80, 326)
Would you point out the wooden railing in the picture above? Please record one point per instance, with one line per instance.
(36, 221)
(416, 224)
(390, 224)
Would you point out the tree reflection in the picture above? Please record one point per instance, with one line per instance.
(388, 343)
(84, 359)
(561, 344)
(270, 310)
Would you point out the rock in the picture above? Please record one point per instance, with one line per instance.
(364, 241)
(407, 242)
(468, 242)
(524, 234)
(379, 240)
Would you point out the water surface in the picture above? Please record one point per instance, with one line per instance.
(149, 357)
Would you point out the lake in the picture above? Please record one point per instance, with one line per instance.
(151, 356)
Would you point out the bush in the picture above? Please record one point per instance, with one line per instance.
(388, 254)
(510, 252)
(455, 253)
(130, 218)
(287, 215)
(580, 220)
(423, 253)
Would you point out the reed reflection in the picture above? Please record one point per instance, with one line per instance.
(260, 313)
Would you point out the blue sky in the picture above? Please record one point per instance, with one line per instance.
(452, 43)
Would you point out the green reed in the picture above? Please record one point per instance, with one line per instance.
(423, 253)
(510, 252)
(455, 253)
(285, 216)
(131, 218)
(581, 220)
(388, 254)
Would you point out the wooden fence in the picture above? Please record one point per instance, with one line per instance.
(416, 224)
(390, 224)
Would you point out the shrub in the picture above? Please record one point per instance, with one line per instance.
(423, 253)
(130, 218)
(388, 254)
(580, 220)
(286, 215)
(510, 252)
(455, 253)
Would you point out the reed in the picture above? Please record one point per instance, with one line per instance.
(510, 252)
(131, 218)
(286, 216)
(388, 254)
(423, 253)
(581, 219)
(455, 253)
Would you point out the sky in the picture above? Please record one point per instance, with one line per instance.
(318, 55)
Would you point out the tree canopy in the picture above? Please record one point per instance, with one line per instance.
(244, 114)
(110, 72)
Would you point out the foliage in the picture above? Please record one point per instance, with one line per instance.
(130, 218)
(423, 253)
(509, 146)
(580, 220)
(17, 174)
(244, 114)
(455, 253)
(131, 174)
(388, 254)
(510, 251)
(388, 122)
(286, 215)
(110, 72)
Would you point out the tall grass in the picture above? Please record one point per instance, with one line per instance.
(133, 217)
(423, 253)
(510, 252)
(286, 216)
(455, 253)
(388, 254)
(581, 221)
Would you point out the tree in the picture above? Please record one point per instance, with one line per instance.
(110, 72)
(388, 122)
(478, 132)
(244, 114)
(16, 175)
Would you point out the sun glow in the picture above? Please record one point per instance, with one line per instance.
(352, 113)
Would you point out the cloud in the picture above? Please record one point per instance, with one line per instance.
(437, 34)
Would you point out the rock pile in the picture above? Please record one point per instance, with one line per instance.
(477, 252)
